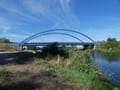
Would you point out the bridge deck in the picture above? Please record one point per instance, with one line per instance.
(58, 43)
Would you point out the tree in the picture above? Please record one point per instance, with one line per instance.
(4, 40)
(53, 50)
(111, 43)
(111, 40)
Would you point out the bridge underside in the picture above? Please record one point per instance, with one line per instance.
(58, 43)
(84, 44)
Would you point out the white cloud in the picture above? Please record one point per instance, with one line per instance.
(14, 37)
(25, 12)
(65, 5)
(26, 32)
(47, 9)
(34, 11)
(4, 27)
(16, 9)
(72, 18)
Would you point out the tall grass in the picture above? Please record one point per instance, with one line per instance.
(81, 69)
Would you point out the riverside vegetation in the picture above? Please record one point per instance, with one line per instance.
(71, 65)
(109, 46)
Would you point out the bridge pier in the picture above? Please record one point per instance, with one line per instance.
(21, 48)
(94, 47)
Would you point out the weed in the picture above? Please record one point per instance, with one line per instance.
(4, 75)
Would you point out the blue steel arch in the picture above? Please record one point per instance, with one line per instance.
(56, 30)
(61, 34)
(38, 34)
(56, 33)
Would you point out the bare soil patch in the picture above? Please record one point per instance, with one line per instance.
(35, 77)
(6, 48)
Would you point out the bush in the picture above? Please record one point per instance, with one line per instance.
(53, 50)
(4, 40)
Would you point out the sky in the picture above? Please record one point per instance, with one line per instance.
(99, 19)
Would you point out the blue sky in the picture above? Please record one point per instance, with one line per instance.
(98, 19)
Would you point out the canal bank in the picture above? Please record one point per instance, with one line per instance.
(79, 68)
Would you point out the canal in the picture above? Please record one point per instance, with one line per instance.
(109, 65)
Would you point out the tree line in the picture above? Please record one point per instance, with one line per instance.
(110, 44)
(4, 40)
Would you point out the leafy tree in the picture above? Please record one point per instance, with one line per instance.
(111, 43)
(111, 40)
(4, 40)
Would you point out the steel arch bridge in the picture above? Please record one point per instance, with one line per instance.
(61, 32)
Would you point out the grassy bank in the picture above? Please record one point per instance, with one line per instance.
(110, 51)
(117, 50)
(6, 48)
(78, 68)
(4, 77)
(111, 45)
(81, 69)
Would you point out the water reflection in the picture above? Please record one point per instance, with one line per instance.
(110, 65)
(111, 57)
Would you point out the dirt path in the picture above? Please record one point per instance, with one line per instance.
(35, 77)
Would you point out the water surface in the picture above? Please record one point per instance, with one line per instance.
(109, 65)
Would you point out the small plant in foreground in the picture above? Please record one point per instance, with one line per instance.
(4, 75)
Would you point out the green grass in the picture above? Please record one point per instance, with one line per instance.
(81, 78)
(110, 51)
(81, 69)
(103, 50)
(84, 79)
(4, 75)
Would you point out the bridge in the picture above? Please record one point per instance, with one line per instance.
(27, 42)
